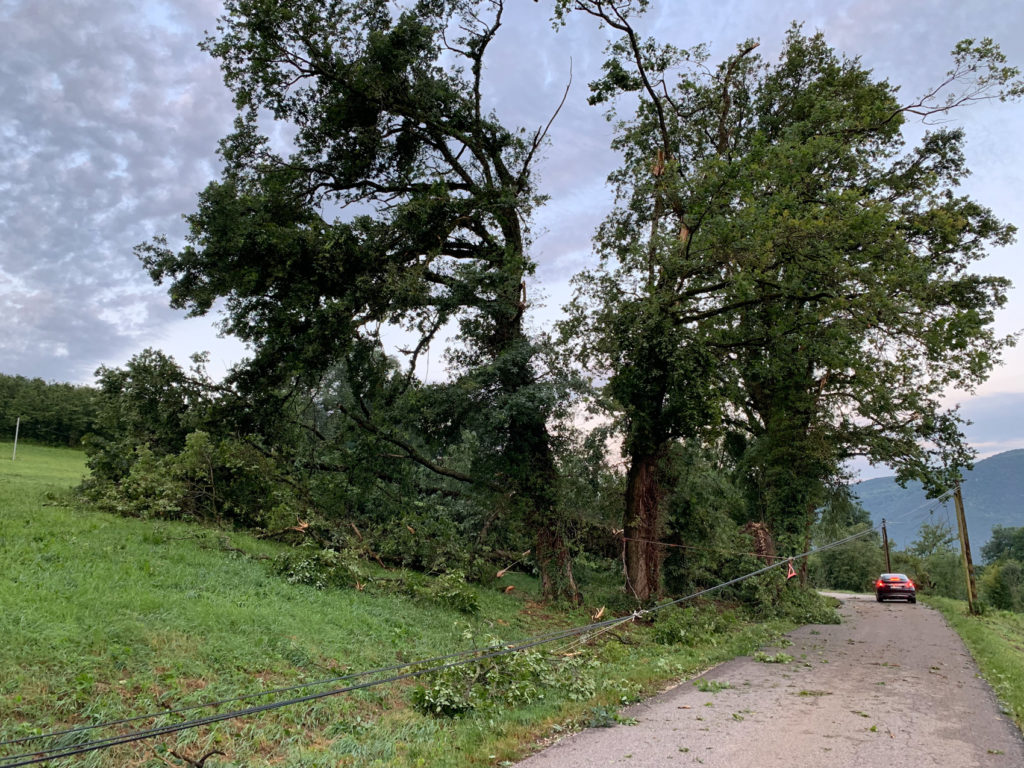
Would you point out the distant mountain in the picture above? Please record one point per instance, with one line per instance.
(993, 495)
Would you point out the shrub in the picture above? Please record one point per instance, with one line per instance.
(1002, 585)
(772, 596)
(452, 590)
(424, 538)
(691, 626)
(509, 680)
(321, 569)
(805, 606)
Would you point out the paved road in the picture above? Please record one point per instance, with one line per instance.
(890, 687)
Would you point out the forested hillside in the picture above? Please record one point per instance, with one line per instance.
(993, 495)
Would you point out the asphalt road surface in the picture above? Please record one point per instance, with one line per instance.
(890, 687)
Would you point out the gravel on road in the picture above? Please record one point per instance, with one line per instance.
(892, 686)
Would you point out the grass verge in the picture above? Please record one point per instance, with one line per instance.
(996, 641)
(104, 618)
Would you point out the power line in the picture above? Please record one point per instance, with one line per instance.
(416, 669)
(55, 753)
(473, 652)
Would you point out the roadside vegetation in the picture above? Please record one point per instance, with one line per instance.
(105, 618)
(995, 640)
(784, 281)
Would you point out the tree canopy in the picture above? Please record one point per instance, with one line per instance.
(400, 201)
(783, 270)
(52, 413)
(783, 284)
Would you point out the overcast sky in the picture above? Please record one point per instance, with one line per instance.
(110, 117)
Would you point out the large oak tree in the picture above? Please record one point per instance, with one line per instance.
(782, 270)
(399, 200)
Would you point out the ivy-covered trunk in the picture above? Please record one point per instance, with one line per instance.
(528, 456)
(535, 479)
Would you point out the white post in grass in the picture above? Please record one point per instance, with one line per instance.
(17, 426)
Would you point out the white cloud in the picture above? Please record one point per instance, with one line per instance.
(110, 116)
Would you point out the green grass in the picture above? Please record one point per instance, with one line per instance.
(996, 641)
(37, 470)
(103, 618)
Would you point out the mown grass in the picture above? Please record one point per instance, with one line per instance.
(996, 641)
(103, 618)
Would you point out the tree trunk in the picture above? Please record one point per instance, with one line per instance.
(642, 528)
(538, 487)
(555, 564)
(531, 462)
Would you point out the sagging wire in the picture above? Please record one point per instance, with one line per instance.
(416, 669)
(718, 550)
(474, 652)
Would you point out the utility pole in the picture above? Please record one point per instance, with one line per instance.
(965, 551)
(17, 427)
(885, 547)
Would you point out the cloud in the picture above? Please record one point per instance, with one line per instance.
(109, 119)
(110, 115)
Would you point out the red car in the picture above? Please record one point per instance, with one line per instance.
(898, 585)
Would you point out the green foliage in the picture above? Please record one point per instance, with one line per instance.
(776, 658)
(50, 413)
(399, 200)
(219, 481)
(450, 589)
(1006, 544)
(340, 569)
(321, 569)
(151, 401)
(505, 681)
(148, 491)
(1002, 585)
(771, 596)
(692, 625)
(605, 717)
(778, 255)
(854, 566)
(806, 606)
(426, 535)
(702, 509)
(933, 562)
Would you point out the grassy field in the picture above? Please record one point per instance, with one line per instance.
(996, 641)
(104, 618)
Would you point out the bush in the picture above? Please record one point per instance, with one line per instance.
(772, 596)
(510, 680)
(424, 538)
(853, 566)
(691, 626)
(209, 480)
(1002, 585)
(340, 569)
(452, 590)
(805, 606)
(321, 569)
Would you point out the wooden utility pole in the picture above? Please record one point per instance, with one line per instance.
(965, 551)
(885, 546)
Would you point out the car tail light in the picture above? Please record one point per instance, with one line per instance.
(879, 583)
(910, 584)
